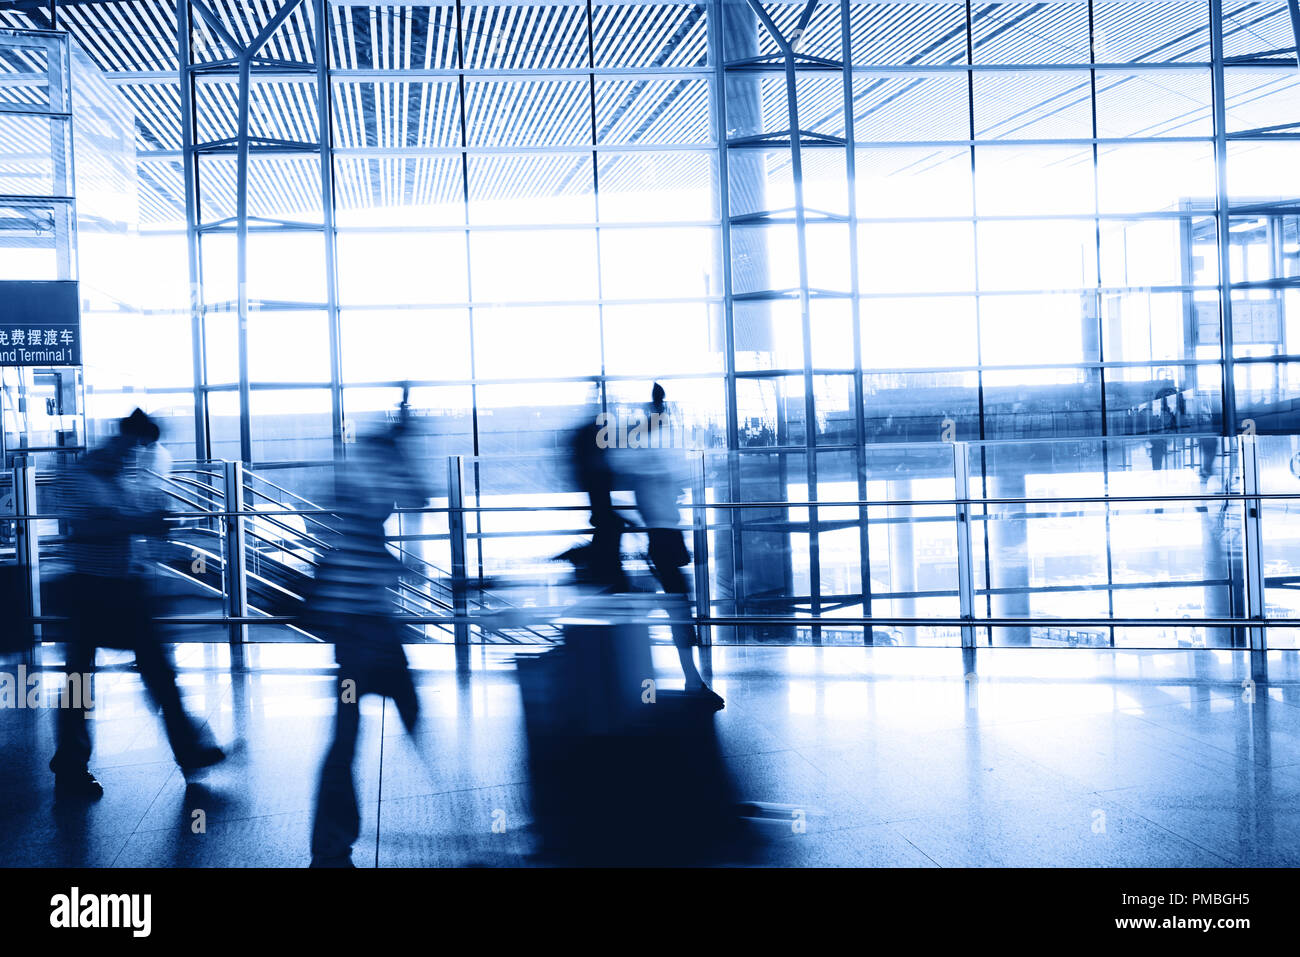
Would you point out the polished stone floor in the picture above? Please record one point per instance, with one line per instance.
(889, 757)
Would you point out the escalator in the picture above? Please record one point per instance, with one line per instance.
(283, 550)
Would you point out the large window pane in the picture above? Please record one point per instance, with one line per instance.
(536, 342)
(658, 186)
(1037, 254)
(1033, 329)
(919, 331)
(383, 345)
(662, 263)
(1011, 181)
(1155, 176)
(290, 346)
(670, 338)
(402, 268)
(533, 265)
(917, 257)
(917, 182)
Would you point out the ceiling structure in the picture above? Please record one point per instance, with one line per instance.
(395, 91)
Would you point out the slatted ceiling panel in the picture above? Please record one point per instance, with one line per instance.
(278, 187)
(1030, 33)
(688, 112)
(499, 178)
(910, 108)
(157, 115)
(282, 108)
(821, 37)
(393, 114)
(162, 196)
(525, 37)
(1263, 99)
(133, 35)
(1257, 27)
(652, 111)
(910, 34)
(124, 36)
(346, 23)
(1154, 104)
(363, 183)
(650, 35)
(527, 112)
(153, 24)
(1152, 32)
(1033, 105)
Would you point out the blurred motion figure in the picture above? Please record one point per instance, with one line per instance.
(600, 561)
(659, 475)
(351, 605)
(112, 519)
(622, 772)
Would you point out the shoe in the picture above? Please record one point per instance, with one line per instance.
(708, 696)
(344, 861)
(203, 756)
(77, 784)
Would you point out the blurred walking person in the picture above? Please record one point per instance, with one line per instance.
(600, 561)
(351, 605)
(109, 604)
(660, 477)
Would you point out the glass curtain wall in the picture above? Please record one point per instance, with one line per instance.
(829, 229)
(527, 213)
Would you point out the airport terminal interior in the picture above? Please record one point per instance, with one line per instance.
(778, 432)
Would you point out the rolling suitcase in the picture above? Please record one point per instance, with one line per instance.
(622, 774)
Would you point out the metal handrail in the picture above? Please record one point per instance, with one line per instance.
(838, 503)
(808, 622)
(265, 481)
(309, 515)
(426, 599)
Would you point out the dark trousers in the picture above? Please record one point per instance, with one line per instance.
(337, 822)
(117, 614)
(667, 555)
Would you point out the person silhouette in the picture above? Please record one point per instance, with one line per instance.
(598, 562)
(109, 603)
(351, 606)
(658, 482)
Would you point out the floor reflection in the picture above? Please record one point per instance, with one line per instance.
(842, 756)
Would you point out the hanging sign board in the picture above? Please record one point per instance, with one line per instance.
(40, 323)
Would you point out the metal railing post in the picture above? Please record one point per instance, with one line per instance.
(27, 538)
(1253, 564)
(456, 533)
(700, 524)
(965, 565)
(235, 571)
